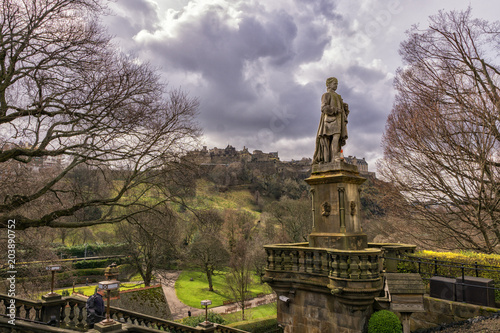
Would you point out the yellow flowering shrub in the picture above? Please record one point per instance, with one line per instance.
(453, 264)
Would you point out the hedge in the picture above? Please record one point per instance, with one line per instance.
(452, 268)
(261, 325)
(195, 320)
(92, 250)
(98, 263)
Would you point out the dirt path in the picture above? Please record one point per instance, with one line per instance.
(180, 310)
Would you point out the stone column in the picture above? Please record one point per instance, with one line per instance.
(336, 206)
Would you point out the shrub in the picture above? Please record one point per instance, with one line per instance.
(384, 322)
(92, 250)
(212, 317)
(89, 271)
(452, 265)
(257, 326)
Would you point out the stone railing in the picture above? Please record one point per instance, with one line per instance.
(72, 315)
(392, 250)
(354, 265)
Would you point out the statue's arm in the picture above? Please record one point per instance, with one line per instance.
(326, 106)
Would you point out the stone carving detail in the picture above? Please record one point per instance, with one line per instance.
(353, 208)
(326, 209)
(332, 130)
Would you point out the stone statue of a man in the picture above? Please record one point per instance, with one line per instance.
(332, 131)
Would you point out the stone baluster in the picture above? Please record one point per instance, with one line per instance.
(354, 267)
(302, 261)
(287, 261)
(80, 317)
(295, 260)
(27, 310)
(334, 265)
(309, 261)
(364, 266)
(324, 263)
(344, 267)
(316, 261)
(277, 259)
(63, 312)
(72, 316)
(270, 259)
(374, 267)
(38, 311)
(18, 310)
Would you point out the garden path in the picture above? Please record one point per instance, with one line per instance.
(180, 310)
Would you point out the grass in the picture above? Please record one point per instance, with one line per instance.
(207, 198)
(192, 292)
(259, 312)
(87, 291)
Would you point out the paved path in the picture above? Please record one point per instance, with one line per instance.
(180, 310)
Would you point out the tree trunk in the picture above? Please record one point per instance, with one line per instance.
(209, 278)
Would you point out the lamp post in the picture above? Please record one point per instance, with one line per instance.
(206, 303)
(108, 286)
(53, 269)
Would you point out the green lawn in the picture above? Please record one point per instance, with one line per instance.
(193, 292)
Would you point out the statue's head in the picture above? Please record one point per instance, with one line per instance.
(330, 80)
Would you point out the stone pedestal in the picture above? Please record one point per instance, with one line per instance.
(113, 327)
(336, 207)
(52, 307)
(206, 326)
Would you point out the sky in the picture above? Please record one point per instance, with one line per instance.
(258, 67)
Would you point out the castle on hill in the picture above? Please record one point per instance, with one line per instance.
(228, 155)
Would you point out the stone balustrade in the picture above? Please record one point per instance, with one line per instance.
(73, 314)
(392, 250)
(354, 265)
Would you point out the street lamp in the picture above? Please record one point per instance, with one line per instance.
(206, 303)
(53, 269)
(108, 286)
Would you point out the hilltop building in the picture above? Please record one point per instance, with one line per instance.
(228, 155)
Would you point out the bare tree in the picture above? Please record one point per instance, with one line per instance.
(239, 277)
(69, 99)
(152, 238)
(442, 140)
(293, 217)
(207, 250)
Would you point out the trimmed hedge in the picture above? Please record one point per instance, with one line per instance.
(384, 322)
(261, 325)
(97, 263)
(212, 317)
(92, 250)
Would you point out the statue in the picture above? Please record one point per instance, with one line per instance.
(332, 131)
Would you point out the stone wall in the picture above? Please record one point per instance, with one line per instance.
(439, 311)
(316, 312)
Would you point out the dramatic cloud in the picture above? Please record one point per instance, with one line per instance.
(259, 67)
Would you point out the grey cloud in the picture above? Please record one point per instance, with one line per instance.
(130, 17)
(235, 103)
(368, 75)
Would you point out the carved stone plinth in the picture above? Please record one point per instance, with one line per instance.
(323, 290)
(336, 206)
